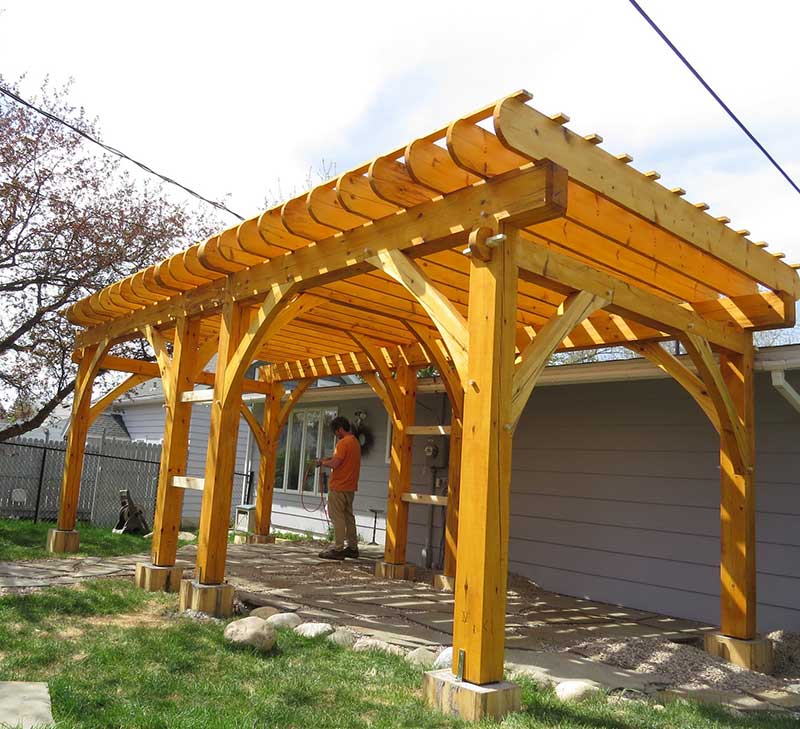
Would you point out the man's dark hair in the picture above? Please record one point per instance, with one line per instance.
(340, 422)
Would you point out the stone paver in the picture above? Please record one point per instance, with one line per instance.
(25, 704)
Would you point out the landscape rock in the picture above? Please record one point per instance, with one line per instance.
(343, 637)
(314, 630)
(577, 690)
(421, 657)
(264, 612)
(285, 620)
(253, 632)
(373, 644)
(186, 536)
(444, 659)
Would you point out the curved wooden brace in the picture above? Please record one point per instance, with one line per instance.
(383, 367)
(255, 428)
(682, 374)
(731, 427)
(451, 325)
(571, 312)
(379, 388)
(127, 384)
(291, 401)
(443, 363)
(159, 344)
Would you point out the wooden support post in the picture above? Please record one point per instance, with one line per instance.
(481, 575)
(177, 377)
(221, 456)
(65, 538)
(453, 492)
(394, 554)
(269, 457)
(737, 506)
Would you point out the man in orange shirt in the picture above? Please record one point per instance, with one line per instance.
(345, 465)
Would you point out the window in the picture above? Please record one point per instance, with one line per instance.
(307, 437)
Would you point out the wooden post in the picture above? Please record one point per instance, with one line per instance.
(400, 469)
(269, 459)
(482, 566)
(221, 456)
(453, 492)
(65, 539)
(179, 378)
(737, 507)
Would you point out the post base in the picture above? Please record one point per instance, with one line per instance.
(469, 701)
(152, 578)
(216, 600)
(389, 571)
(445, 583)
(62, 541)
(757, 654)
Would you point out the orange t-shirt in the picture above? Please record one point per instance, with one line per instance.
(345, 476)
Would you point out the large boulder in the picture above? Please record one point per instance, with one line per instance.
(314, 630)
(253, 632)
(267, 611)
(343, 637)
(373, 644)
(421, 657)
(285, 620)
(444, 659)
(577, 690)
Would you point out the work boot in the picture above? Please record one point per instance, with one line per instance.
(351, 552)
(333, 553)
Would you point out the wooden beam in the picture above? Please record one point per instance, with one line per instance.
(187, 482)
(682, 374)
(451, 325)
(732, 428)
(428, 430)
(453, 496)
(127, 384)
(400, 468)
(88, 367)
(379, 388)
(738, 599)
(178, 376)
(197, 396)
(269, 455)
(561, 272)
(573, 310)
(482, 569)
(535, 191)
(531, 134)
(255, 428)
(429, 499)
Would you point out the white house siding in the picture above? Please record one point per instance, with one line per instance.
(145, 421)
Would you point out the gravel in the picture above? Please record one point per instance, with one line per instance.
(684, 665)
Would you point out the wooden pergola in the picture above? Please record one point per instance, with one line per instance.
(482, 248)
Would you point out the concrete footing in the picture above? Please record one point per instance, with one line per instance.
(216, 600)
(59, 541)
(152, 578)
(445, 583)
(389, 571)
(757, 654)
(468, 701)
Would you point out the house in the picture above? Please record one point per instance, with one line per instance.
(619, 505)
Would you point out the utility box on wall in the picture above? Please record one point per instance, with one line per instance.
(245, 519)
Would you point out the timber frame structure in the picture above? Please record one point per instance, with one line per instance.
(481, 248)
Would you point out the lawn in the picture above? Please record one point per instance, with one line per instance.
(21, 539)
(116, 656)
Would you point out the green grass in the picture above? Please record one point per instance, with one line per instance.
(22, 539)
(107, 671)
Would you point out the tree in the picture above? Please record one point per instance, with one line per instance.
(71, 222)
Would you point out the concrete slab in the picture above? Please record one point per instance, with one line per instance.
(25, 704)
(784, 699)
(728, 699)
(557, 667)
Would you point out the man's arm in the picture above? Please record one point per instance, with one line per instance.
(332, 462)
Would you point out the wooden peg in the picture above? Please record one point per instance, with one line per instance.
(779, 255)
(593, 138)
(626, 158)
(679, 191)
(560, 118)
(652, 175)
(743, 232)
(701, 206)
(724, 219)
(761, 244)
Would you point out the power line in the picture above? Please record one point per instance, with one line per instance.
(116, 152)
(711, 91)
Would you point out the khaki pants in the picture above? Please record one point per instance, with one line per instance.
(340, 510)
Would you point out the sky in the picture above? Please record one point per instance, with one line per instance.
(241, 100)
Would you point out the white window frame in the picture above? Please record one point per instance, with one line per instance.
(318, 452)
(389, 430)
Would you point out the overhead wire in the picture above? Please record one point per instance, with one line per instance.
(113, 150)
(714, 94)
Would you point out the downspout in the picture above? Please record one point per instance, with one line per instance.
(788, 393)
